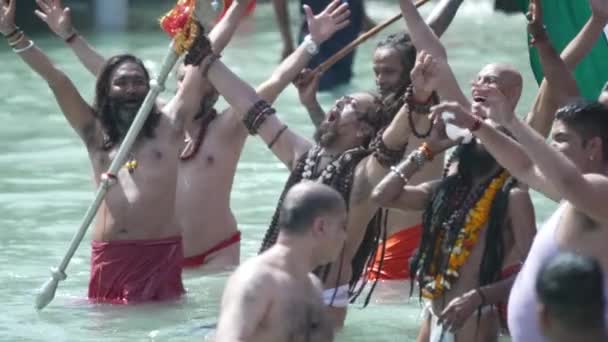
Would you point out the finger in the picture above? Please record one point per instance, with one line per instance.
(342, 17)
(40, 15)
(58, 4)
(67, 12)
(308, 12)
(343, 8)
(342, 25)
(11, 6)
(43, 6)
(331, 7)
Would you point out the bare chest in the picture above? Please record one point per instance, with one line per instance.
(577, 232)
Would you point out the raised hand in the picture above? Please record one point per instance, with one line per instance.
(323, 25)
(424, 76)
(57, 17)
(599, 8)
(536, 27)
(461, 117)
(7, 16)
(438, 141)
(307, 84)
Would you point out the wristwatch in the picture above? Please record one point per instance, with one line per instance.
(310, 46)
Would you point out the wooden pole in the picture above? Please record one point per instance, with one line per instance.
(362, 38)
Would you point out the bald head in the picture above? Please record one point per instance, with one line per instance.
(305, 202)
(506, 77)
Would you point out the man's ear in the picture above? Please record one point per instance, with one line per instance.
(318, 227)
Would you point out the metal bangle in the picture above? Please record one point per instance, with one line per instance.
(29, 46)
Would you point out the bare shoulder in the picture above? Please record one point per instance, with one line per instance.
(252, 276)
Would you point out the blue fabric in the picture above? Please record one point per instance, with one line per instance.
(341, 72)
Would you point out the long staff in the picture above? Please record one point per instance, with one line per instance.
(361, 39)
(180, 24)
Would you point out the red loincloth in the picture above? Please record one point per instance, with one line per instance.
(133, 271)
(199, 260)
(399, 249)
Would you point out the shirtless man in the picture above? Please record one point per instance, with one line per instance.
(137, 251)
(573, 170)
(343, 159)
(274, 297)
(393, 60)
(213, 142)
(209, 229)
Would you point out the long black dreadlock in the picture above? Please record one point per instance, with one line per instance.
(450, 193)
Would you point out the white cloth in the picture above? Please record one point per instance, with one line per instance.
(336, 297)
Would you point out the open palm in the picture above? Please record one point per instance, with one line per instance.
(7, 16)
(57, 17)
(323, 25)
(599, 8)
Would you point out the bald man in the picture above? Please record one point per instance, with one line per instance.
(279, 283)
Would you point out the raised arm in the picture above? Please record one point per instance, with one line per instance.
(78, 113)
(245, 302)
(559, 85)
(282, 13)
(322, 26)
(442, 15)
(188, 99)
(59, 21)
(586, 192)
(582, 44)
(507, 152)
(424, 39)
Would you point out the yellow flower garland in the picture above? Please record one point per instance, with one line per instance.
(476, 219)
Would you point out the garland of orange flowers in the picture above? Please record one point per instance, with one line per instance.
(181, 24)
(467, 238)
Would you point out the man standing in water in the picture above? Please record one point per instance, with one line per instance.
(213, 142)
(344, 159)
(137, 249)
(274, 296)
(393, 61)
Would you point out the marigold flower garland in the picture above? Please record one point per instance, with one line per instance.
(467, 238)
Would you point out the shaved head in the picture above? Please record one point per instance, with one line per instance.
(508, 80)
(305, 202)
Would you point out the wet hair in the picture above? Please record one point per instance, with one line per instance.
(375, 117)
(446, 199)
(306, 202)
(570, 286)
(402, 43)
(102, 105)
(587, 118)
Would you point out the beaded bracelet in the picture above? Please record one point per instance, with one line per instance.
(399, 173)
(256, 116)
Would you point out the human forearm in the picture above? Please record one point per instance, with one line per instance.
(398, 131)
(315, 111)
(421, 34)
(284, 74)
(39, 62)
(92, 60)
(221, 34)
(442, 15)
(584, 41)
(497, 292)
(557, 168)
(393, 184)
(240, 95)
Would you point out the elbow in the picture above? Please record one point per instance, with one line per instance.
(57, 80)
(380, 197)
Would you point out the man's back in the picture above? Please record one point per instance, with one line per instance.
(264, 301)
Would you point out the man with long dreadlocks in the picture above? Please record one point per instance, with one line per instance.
(393, 61)
(344, 158)
(209, 228)
(137, 246)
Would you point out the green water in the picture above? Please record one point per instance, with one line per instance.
(45, 184)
